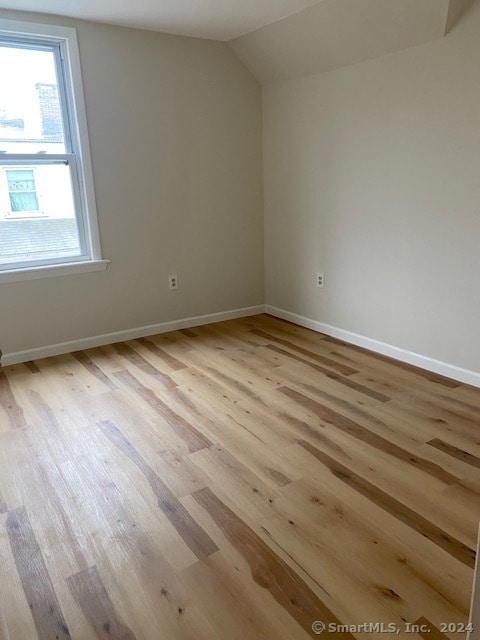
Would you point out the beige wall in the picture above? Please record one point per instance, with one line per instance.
(372, 175)
(175, 134)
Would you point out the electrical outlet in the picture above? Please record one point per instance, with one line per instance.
(172, 282)
(320, 280)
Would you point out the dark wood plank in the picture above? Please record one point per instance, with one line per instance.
(189, 333)
(36, 582)
(194, 439)
(43, 410)
(89, 591)
(450, 450)
(32, 367)
(280, 478)
(139, 361)
(408, 516)
(269, 570)
(172, 362)
(341, 422)
(7, 399)
(351, 384)
(94, 369)
(333, 364)
(187, 528)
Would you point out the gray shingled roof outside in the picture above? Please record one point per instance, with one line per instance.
(36, 238)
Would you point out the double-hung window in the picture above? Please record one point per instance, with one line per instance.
(48, 222)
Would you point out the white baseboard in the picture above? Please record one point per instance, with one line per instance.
(128, 334)
(437, 366)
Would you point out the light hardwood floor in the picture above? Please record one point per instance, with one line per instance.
(238, 481)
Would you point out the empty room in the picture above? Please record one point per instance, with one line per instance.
(239, 313)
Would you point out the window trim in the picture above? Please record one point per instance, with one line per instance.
(51, 270)
(74, 105)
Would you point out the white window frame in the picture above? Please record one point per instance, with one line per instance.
(78, 156)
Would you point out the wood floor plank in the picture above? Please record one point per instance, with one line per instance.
(172, 362)
(268, 570)
(138, 557)
(188, 333)
(242, 446)
(94, 369)
(42, 599)
(127, 352)
(161, 447)
(236, 385)
(90, 593)
(232, 480)
(9, 403)
(356, 430)
(16, 620)
(394, 507)
(192, 534)
(369, 415)
(221, 412)
(32, 367)
(327, 525)
(430, 421)
(194, 439)
(347, 382)
(43, 411)
(225, 593)
(329, 362)
(464, 456)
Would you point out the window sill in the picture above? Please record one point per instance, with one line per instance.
(34, 273)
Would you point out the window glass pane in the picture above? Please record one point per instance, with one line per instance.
(40, 224)
(26, 201)
(20, 179)
(30, 109)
